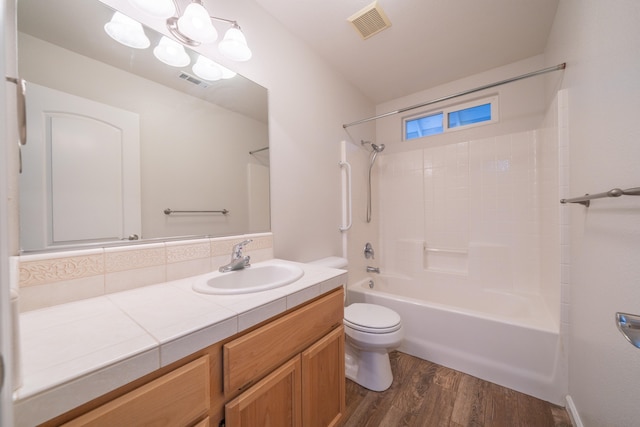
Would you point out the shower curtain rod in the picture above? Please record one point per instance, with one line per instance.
(466, 92)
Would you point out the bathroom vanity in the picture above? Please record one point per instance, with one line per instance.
(285, 365)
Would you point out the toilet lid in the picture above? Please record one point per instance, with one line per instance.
(371, 318)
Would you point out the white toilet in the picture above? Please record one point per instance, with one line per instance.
(371, 332)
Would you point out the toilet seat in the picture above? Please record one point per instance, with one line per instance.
(371, 318)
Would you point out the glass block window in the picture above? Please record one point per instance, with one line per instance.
(482, 111)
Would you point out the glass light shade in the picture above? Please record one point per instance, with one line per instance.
(234, 45)
(227, 73)
(158, 8)
(196, 24)
(127, 31)
(171, 53)
(207, 69)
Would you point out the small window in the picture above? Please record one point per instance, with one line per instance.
(458, 116)
(424, 126)
(471, 115)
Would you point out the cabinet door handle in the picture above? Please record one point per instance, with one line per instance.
(22, 107)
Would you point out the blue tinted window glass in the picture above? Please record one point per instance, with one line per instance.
(424, 126)
(480, 113)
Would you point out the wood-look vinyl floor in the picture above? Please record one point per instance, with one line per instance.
(427, 394)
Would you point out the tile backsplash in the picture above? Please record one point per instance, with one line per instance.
(49, 279)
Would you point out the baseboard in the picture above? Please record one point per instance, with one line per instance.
(573, 413)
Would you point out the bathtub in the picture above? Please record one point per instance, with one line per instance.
(508, 339)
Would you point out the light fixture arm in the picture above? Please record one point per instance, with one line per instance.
(172, 25)
(230, 21)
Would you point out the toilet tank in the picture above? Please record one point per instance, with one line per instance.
(332, 262)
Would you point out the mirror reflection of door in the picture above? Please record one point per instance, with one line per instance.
(83, 180)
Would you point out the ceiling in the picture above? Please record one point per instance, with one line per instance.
(430, 42)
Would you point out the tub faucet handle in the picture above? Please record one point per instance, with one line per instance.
(368, 251)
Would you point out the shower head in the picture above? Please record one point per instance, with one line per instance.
(377, 148)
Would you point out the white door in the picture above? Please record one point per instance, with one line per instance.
(81, 171)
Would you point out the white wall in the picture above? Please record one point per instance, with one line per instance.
(600, 41)
(522, 106)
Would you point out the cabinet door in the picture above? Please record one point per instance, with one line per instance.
(275, 401)
(323, 382)
(257, 353)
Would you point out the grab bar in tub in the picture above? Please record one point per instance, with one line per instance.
(349, 215)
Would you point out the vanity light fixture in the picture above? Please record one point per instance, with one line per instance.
(234, 45)
(227, 73)
(171, 53)
(210, 70)
(207, 69)
(194, 26)
(127, 31)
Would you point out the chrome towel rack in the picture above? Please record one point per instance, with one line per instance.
(258, 150)
(170, 211)
(616, 192)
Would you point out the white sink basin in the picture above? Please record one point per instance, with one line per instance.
(251, 279)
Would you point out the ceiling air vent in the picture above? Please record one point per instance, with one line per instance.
(194, 80)
(370, 20)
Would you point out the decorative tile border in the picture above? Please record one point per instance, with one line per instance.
(117, 259)
(58, 267)
(187, 251)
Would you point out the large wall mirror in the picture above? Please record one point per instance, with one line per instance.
(116, 138)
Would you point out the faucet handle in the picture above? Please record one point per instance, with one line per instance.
(368, 251)
(237, 248)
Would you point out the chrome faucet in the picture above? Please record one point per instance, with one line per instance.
(373, 269)
(238, 262)
(368, 251)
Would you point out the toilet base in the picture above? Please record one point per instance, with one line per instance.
(370, 369)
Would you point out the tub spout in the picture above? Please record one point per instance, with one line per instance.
(373, 269)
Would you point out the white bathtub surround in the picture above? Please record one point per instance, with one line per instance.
(460, 197)
(471, 233)
(78, 351)
(506, 338)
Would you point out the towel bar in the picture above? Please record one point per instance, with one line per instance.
(169, 211)
(616, 192)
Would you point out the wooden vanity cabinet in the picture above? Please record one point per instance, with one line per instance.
(323, 381)
(179, 398)
(308, 390)
(274, 401)
(306, 349)
(284, 372)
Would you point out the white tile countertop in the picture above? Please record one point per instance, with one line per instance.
(75, 352)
